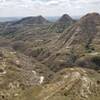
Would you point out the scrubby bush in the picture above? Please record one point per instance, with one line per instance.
(96, 60)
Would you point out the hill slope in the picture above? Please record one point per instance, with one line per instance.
(42, 65)
(78, 40)
(85, 31)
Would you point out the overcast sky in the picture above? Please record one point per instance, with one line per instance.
(47, 7)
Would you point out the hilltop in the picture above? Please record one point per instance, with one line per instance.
(62, 23)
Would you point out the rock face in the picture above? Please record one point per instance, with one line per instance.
(85, 31)
(64, 22)
(79, 39)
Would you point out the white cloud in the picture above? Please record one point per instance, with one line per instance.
(47, 7)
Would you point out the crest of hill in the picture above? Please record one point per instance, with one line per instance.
(60, 25)
(32, 20)
(65, 19)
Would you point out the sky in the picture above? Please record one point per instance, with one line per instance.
(11, 8)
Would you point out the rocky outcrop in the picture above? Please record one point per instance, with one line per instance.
(85, 31)
(69, 83)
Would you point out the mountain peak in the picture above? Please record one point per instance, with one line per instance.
(94, 14)
(63, 23)
(91, 17)
(65, 18)
(40, 16)
(33, 20)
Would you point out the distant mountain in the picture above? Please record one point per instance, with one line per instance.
(7, 19)
(32, 20)
(60, 25)
(24, 25)
(52, 18)
(65, 19)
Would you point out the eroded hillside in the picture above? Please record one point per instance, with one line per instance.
(42, 60)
